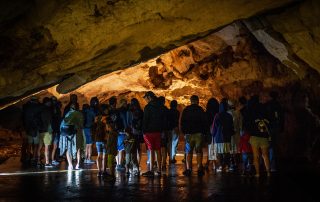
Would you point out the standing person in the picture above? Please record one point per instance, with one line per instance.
(173, 126)
(112, 140)
(56, 121)
(72, 136)
(259, 131)
(152, 126)
(164, 134)
(45, 131)
(121, 126)
(100, 133)
(193, 125)
(211, 111)
(88, 117)
(276, 116)
(130, 145)
(222, 130)
(134, 121)
(74, 101)
(235, 138)
(31, 123)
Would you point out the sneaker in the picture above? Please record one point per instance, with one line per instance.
(99, 174)
(219, 169)
(187, 172)
(148, 174)
(48, 165)
(120, 168)
(70, 167)
(86, 161)
(55, 163)
(77, 167)
(200, 172)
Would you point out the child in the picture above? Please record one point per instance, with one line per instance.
(130, 145)
(246, 151)
(100, 135)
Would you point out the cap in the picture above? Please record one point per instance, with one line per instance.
(149, 94)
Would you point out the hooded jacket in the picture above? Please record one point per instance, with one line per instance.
(222, 127)
(193, 120)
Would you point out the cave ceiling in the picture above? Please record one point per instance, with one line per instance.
(70, 43)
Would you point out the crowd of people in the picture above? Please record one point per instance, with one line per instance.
(237, 137)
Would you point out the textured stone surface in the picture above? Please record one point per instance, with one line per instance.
(44, 42)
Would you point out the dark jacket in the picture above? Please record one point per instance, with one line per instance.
(193, 120)
(222, 127)
(31, 118)
(258, 120)
(88, 117)
(153, 117)
(46, 119)
(173, 119)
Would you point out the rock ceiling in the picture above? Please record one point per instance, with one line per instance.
(71, 43)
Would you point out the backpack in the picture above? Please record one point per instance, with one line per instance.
(262, 126)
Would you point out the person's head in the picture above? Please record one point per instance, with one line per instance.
(113, 102)
(73, 106)
(223, 107)
(94, 102)
(231, 105)
(85, 107)
(34, 99)
(73, 98)
(149, 96)
(134, 104)
(162, 100)
(46, 101)
(194, 99)
(54, 100)
(173, 104)
(254, 101)
(123, 103)
(274, 95)
(212, 105)
(243, 100)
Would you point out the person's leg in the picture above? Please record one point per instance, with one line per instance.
(69, 159)
(244, 162)
(164, 158)
(198, 139)
(265, 156)
(98, 161)
(175, 141)
(128, 158)
(255, 151)
(89, 151)
(46, 153)
(78, 158)
(103, 164)
(40, 145)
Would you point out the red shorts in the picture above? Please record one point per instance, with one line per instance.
(152, 140)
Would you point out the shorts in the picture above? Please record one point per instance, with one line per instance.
(120, 144)
(259, 142)
(56, 138)
(101, 148)
(153, 140)
(212, 152)
(194, 141)
(223, 148)
(88, 136)
(33, 140)
(46, 138)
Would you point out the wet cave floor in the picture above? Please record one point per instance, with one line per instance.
(18, 183)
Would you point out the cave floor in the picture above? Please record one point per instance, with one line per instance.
(19, 183)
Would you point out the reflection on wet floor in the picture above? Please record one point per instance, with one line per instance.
(19, 183)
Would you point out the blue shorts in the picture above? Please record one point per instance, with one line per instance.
(120, 144)
(101, 147)
(87, 134)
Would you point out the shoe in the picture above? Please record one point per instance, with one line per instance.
(187, 172)
(136, 173)
(173, 161)
(120, 168)
(219, 169)
(77, 167)
(55, 163)
(48, 165)
(70, 167)
(148, 174)
(200, 172)
(157, 173)
(86, 161)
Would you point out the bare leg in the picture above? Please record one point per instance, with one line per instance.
(104, 162)
(265, 156)
(78, 157)
(89, 151)
(255, 151)
(199, 160)
(46, 153)
(189, 160)
(39, 152)
(158, 154)
(69, 159)
(164, 158)
(54, 149)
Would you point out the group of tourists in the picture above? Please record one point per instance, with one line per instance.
(236, 138)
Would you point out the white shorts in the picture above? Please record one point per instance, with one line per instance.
(212, 155)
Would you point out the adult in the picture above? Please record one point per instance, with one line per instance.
(45, 130)
(71, 140)
(121, 126)
(74, 101)
(164, 134)
(152, 126)
(276, 117)
(173, 127)
(55, 123)
(31, 123)
(134, 121)
(211, 110)
(193, 124)
(259, 131)
(222, 130)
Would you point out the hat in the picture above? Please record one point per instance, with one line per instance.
(149, 94)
